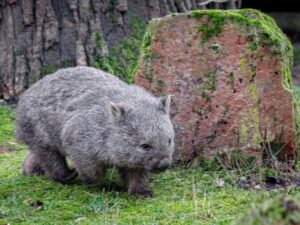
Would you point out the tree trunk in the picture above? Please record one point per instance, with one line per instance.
(39, 36)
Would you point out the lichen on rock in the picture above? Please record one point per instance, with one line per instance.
(263, 27)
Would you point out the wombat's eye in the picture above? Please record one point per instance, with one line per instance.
(170, 141)
(146, 147)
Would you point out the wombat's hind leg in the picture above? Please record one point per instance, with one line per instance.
(136, 181)
(90, 171)
(55, 166)
(31, 165)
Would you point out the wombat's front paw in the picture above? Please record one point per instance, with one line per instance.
(144, 193)
(31, 166)
(32, 171)
(147, 194)
(71, 175)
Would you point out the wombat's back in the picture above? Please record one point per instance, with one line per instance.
(49, 103)
(66, 85)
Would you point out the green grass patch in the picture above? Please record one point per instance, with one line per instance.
(182, 196)
(7, 118)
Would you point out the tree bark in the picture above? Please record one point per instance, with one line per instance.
(39, 36)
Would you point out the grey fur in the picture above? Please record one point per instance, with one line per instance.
(97, 121)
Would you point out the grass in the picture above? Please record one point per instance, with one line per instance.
(182, 195)
(7, 139)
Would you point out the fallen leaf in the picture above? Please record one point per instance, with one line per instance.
(80, 219)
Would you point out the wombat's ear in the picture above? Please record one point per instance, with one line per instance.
(165, 103)
(117, 111)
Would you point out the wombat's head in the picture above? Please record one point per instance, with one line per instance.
(142, 134)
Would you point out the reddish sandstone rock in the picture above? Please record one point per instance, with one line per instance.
(229, 74)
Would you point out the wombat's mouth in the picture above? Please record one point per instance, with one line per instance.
(158, 170)
(161, 166)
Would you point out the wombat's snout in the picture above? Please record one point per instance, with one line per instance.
(162, 165)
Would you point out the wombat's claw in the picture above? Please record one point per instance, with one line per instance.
(36, 171)
(144, 193)
(72, 174)
(147, 194)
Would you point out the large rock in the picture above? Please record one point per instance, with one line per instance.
(230, 76)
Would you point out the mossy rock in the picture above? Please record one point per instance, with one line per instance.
(229, 72)
(269, 33)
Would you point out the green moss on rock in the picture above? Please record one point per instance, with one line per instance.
(249, 129)
(209, 30)
(243, 66)
(259, 24)
(259, 28)
(252, 72)
(247, 70)
(207, 84)
(253, 46)
(160, 85)
(287, 78)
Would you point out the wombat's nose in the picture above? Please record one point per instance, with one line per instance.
(163, 164)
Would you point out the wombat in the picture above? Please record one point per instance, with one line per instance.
(97, 121)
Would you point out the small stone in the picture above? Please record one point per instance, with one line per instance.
(219, 183)
(257, 187)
